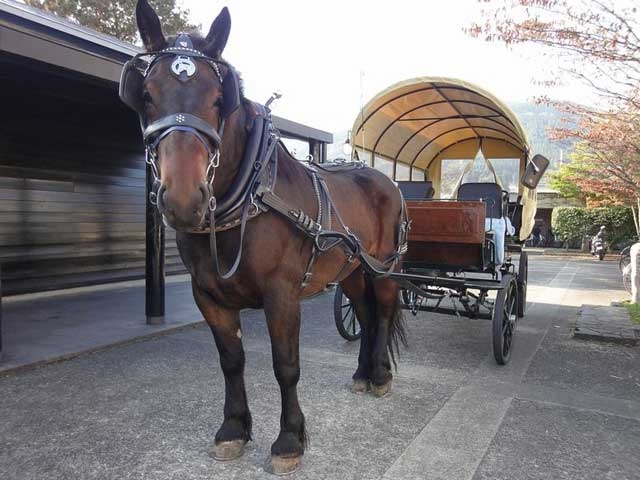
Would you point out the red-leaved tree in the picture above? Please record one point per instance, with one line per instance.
(596, 43)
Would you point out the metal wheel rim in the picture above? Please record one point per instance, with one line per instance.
(509, 317)
(624, 261)
(349, 321)
(626, 282)
(523, 274)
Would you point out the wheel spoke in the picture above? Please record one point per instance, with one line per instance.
(347, 314)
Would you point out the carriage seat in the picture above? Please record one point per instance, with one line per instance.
(496, 221)
(416, 190)
(490, 193)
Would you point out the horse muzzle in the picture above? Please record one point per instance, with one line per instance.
(186, 211)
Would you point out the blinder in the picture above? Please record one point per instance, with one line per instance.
(130, 89)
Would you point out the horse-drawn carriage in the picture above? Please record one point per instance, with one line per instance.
(219, 175)
(462, 161)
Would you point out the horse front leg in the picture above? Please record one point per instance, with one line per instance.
(282, 309)
(235, 431)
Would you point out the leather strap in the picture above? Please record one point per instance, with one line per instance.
(271, 155)
(255, 146)
(326, 239)
(183, 122)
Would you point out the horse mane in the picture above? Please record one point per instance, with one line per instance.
(200, 43)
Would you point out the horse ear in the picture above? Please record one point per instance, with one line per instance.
(218, 34)
(149, 27)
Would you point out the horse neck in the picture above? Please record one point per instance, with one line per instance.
(293, 176)
(234, 141)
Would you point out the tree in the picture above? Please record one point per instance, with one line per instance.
(563, 181)
(116, 17)
(596, 42)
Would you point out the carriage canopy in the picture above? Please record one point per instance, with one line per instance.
(411, 127)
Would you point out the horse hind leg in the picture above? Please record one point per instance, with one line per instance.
(360, 292)
(389, 334)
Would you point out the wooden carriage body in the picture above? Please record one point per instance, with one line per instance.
(447, 235)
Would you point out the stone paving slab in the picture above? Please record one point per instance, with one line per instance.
(536, 439)
(594, 368)
(151, 409)
(606, 324)
(53, 326)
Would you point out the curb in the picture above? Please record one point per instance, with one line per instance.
(8, 372)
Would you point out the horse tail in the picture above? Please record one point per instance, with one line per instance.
(397, 332)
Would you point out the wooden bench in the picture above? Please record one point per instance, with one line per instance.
(448, 235)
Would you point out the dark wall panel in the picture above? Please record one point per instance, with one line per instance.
(71, 183)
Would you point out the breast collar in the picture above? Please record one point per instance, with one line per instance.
(258, 169)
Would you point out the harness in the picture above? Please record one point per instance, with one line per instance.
(253, 189)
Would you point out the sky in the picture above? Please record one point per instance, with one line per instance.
(329, 57)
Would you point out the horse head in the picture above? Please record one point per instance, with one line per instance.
(187, 95)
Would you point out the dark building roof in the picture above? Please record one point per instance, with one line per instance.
(34, 34)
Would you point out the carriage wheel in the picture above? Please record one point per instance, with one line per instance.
(345, 316)
(408, 297)
(523, 273)
(504, 319)
(625, 259)
(626, 279)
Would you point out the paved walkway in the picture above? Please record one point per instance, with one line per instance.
(606, 323)
(563, 408)
(50, 326)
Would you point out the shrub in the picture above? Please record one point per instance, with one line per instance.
(572, 223)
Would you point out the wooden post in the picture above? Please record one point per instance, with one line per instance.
(314, 151)
(0, 313)
(154, 259)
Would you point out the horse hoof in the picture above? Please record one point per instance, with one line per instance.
(225, 451)
(359, 387)
(381, 390)
(285, 465)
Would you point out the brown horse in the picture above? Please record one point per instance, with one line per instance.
(275, 254)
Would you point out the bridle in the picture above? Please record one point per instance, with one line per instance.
(181, 122)
(183, 67)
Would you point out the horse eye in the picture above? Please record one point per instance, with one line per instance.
(218, 102)
(146, 96)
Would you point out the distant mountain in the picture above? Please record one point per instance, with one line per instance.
(537, 120)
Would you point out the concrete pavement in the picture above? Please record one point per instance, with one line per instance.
(562, 408)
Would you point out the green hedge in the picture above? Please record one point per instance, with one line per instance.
(572, 223)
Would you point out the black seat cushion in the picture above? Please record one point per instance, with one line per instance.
(490, 193)
(416, 190)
